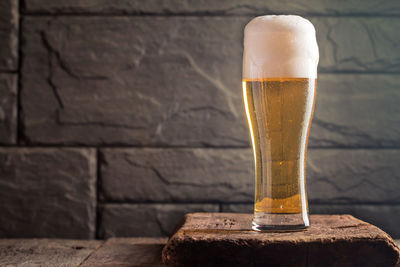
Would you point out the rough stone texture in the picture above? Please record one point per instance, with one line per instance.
(356, 111)
(225, 239)
(8, 108)
(47, 192)
(176, 81)
(172, 79)
(238, 207)
(358, 44)
(176, 175)
(9, 35)
(353, 176)
(126, 220)
(128, 252)
(45, 252)
(131, 81)
(227, 175)
(253, 7)
(387, 217)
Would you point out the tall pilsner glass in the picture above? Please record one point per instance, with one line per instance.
(279, 82)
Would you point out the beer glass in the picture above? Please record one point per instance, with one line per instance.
(280, 61)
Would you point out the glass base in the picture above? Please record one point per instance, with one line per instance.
(280, 222)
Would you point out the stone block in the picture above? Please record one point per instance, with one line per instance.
(128, 220)
(176, 175)
(9, 24)
(142, 81)
(8, 108)
(227, 175)
(47, 192)
(356, 110)
(209, 7)
(357, 44)
(353, 176)
(238, 207)
(176, 81)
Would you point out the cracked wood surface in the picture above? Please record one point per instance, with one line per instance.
(72, 253)
(382, 215)
(128, 252)
(226, 239)
(176, 81)
(45, 252)
(68, 253)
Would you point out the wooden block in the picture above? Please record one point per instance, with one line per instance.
(226, 239)
(128, 252)
(45, 252)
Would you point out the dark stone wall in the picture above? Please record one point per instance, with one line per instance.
(118, 117)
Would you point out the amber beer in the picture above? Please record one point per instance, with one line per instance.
(280, 111)
(279, 97)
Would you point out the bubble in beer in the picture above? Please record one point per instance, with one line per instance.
(280, 46)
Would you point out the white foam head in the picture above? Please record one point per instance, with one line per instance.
(279, 47)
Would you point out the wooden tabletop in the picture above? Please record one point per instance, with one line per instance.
(63, 252)
(204, 239)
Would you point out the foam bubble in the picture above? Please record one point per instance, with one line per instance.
(279, 47)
